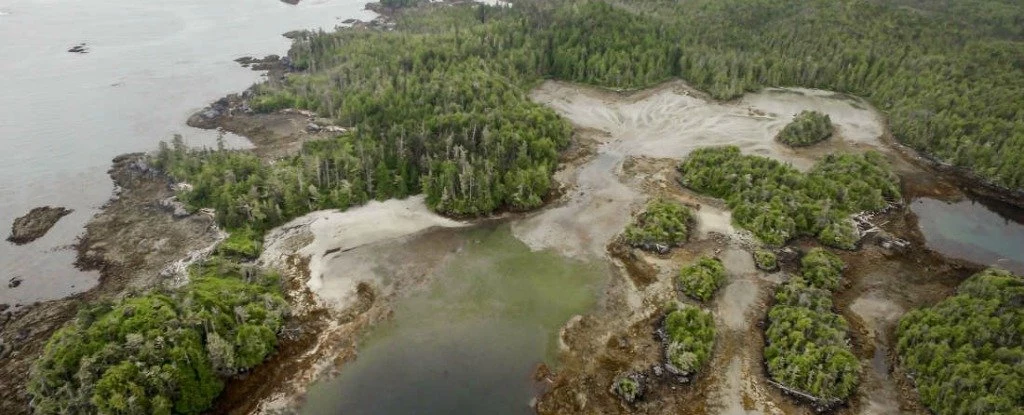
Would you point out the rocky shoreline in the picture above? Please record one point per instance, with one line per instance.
(130, 241)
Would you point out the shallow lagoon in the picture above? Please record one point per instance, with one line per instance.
(970, 230)
(469, 342)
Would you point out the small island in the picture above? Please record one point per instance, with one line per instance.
(36, 223)
(806, 129)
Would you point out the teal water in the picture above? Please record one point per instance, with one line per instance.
(990, 234)
(470, 342)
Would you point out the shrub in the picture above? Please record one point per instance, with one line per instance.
(702, 279)
(661, 226)
(842, 234)
(628, 388)
(765, 260)
(690, 337)
(242, 244)
(822, 269)
(967, 352)
(807, 128)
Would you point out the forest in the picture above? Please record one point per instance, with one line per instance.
(702, 279)
(808, 347)
(689, 337)
(163, 352)
(966, 353)
(776, 202)
(807, 128)
(439, 105)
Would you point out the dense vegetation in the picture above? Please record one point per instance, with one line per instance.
(807, 128)
(777, 202)
(662, 225)
(439, 104)
(808, 349)
(765, 260)
(689, 337)
(822, 269)
(967, 352)
(947, 73)
(163, 352)
(701, 279)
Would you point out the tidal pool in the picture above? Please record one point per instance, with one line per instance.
(973, 231)
(470, 341)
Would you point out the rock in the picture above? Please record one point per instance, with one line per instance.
(176, 208)
(35, 224)
(312, 127)
(291, 2)
(245, 61)
(349, 21)
(14, 282)
(295, 34)
(787, 254)
(79, 48)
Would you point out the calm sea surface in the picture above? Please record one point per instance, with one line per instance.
(64, 116)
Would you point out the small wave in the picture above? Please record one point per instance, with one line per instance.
(4, 13)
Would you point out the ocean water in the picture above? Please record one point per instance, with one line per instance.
(150, 64)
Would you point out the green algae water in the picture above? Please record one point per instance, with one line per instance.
(973, 231)
(469, 342)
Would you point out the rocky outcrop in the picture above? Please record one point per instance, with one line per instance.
(36, 223)
(79, 48)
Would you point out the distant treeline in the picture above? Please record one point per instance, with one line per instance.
(440, 105)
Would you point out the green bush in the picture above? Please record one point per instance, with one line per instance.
(662, 225)
(242, 244)
(776, 202)
(162, 352)
(765, 260)
(966, 353)
(797, 293)
(627, 388)
(702, 279)
(271, 102)
(690, 337)
(807, 128)
(822, 269)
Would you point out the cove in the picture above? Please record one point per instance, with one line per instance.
(971, 230)
(470, 341)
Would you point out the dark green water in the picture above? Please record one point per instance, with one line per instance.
(470, 342)
(990, 234)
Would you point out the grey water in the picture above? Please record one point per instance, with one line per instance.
(64, 116)
(989, 234)
(468, 344)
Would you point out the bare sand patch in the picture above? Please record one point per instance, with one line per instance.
(332, 240)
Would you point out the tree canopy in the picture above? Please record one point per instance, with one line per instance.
(966, 353)
(777, 202)
(690, 337)
(808, 346)
(807, 128)
(702, 279)
(163, 352)
(662, 225)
